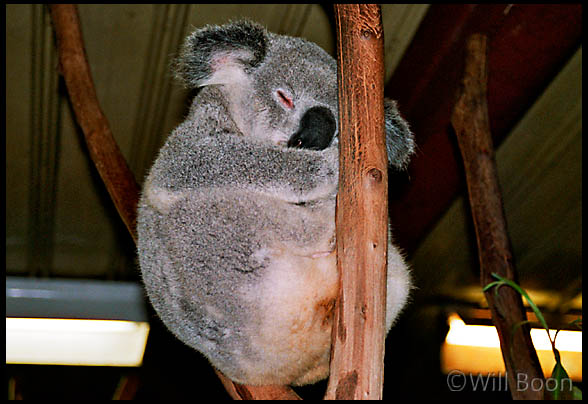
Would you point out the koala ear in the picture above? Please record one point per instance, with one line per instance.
(220, 54)
(399, 139)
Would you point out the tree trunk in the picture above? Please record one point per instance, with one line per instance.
(357, 353)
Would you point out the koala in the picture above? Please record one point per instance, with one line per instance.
(236, 220)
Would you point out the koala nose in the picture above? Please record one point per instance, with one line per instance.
(317, 128)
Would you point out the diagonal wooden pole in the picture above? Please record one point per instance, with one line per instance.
(107, 157)
(357, 353)
(471, 124)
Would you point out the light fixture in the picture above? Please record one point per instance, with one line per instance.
(475, 349)
(75, 322)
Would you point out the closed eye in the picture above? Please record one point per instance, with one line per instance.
(285, 100)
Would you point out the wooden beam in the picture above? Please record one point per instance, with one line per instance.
(529, 44)
(357, 353)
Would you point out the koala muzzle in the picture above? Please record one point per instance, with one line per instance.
(317, 129)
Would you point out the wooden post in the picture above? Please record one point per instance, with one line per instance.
(470, 121)
(357, 353)
(108, 159)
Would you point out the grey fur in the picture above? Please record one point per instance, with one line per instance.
(225, 189)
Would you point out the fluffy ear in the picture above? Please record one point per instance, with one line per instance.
(220, 54)
(399, 139)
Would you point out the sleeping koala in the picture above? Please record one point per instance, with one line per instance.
(236, 220)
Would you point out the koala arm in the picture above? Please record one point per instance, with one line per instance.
(226, 159)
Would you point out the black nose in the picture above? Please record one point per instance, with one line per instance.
(317, 128)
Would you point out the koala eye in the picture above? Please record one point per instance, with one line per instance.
(285, 100)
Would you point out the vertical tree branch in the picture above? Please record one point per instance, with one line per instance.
(357, 353)
(106, 155)
(470, 121)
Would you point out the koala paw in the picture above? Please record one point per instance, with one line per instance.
(329, 171)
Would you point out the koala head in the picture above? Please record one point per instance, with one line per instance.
(278, 89)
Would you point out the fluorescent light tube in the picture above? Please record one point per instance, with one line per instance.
(51, 341)
(475, 349)
(75, 322)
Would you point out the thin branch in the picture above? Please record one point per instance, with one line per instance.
(357, 353)
(470, 121)
(243, 392)
(106, 155)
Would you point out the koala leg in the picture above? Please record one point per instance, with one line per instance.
(398, 284)
(299, 290)
(299, 293)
